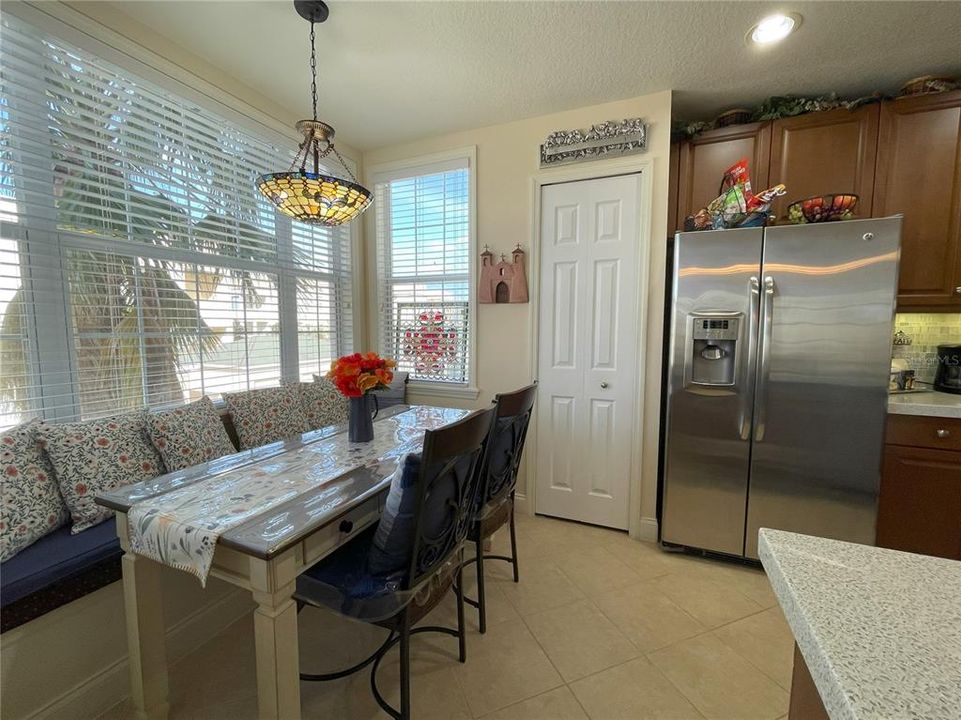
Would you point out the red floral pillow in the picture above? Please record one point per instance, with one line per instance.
(32, 506)
(265, 416)
(98, 455)
(189, 435)
(322, 403)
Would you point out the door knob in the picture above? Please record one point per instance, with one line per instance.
(346, 526)
(942, 433)
(603, 386)
(957, 291)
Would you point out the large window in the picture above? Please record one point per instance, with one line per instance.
(139, 266)
(424, 267)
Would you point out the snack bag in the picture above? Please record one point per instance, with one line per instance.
(734, 200)
(737, 174)
(736, 204)
(763, 199)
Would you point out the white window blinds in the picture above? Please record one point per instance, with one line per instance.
(423, 219)
(138, 263)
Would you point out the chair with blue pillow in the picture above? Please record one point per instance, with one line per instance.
(395, 573)
(498, 484)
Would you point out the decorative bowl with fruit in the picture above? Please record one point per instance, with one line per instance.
(823, 208)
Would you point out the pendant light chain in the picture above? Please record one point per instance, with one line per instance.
(343, 162)
(313, 69)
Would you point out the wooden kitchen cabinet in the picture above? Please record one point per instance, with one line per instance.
(919, 504)
(813, 154)
(825, 153)
(919, 175)
(899, 156)
(703, 159)
(806, 703)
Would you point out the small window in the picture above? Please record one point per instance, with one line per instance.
(425, 264)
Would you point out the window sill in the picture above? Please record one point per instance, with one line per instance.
(443, 390)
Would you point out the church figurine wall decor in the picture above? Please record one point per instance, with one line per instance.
(503, 282)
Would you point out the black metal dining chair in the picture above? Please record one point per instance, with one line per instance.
(498, 486)
(395, 573)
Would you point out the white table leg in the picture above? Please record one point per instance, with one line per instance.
(275, 634)
(146, 642)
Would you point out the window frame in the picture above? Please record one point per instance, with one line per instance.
(37, 226)
(412, 167)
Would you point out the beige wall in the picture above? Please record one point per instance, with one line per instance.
(507, 158)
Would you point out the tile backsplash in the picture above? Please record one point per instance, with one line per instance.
(927, 331)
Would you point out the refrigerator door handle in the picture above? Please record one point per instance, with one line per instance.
(764, 362)
(754, 291)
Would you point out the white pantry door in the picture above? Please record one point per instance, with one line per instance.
(587, 349)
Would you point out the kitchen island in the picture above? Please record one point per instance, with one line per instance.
(878, 631)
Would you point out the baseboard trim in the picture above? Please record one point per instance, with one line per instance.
(647, 530)
(110, 685)
(521, 505)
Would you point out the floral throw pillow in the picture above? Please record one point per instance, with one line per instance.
(322, 403)
(32, 506)
(189, 435)
(265, 416)
(95, 456)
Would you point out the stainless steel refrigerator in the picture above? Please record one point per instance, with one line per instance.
(779, 359)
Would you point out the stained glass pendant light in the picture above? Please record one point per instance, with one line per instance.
(304, 192)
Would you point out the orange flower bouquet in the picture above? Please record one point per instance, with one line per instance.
(356, 375)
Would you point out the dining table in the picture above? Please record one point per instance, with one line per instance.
(256, 519)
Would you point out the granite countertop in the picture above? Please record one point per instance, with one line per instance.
(880, 630)
(936, 404)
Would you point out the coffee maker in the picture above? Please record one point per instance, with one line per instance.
(948, 377)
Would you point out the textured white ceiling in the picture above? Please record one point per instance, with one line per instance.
(397, 71)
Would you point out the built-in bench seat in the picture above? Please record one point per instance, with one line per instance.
(56, 570)
(62, 567)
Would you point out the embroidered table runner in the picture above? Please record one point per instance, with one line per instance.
(180, 528)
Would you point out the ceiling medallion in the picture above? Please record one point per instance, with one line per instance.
(607, 138)
(313, 196)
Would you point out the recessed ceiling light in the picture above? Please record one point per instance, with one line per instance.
(774, 28)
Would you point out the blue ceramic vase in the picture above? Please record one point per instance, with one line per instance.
(363, 410)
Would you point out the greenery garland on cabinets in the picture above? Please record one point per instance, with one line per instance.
(778, 106)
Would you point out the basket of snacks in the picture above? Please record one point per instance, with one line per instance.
(736, 205)
(725, 221)
(822, 208)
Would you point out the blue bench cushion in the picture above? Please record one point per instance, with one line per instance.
(58, 556)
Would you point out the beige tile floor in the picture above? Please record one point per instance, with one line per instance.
(600, 627)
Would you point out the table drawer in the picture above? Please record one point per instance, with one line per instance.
(326, 540)
(922, 431)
